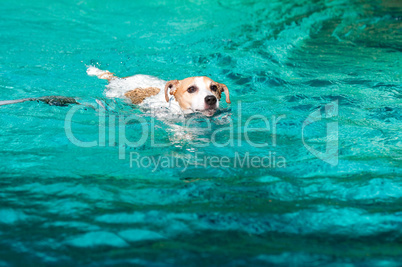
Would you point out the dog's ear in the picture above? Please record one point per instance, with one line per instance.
(171, 85)
(224, 88)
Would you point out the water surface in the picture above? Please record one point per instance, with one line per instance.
(67, 205)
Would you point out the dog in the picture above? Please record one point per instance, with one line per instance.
(193, 94)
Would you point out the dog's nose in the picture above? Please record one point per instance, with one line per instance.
(210, 100)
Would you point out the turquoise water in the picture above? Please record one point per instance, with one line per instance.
(62, 204)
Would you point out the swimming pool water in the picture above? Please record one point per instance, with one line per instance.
(62, 204)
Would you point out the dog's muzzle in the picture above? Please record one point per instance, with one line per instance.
(210, 105)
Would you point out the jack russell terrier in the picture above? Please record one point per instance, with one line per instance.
(193, 94)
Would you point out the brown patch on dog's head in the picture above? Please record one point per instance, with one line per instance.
(218, 88)
(181, 93)
(190, 93)
(173, 84)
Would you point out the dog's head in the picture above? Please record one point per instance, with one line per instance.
(197, 94)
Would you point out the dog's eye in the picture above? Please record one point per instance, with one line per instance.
(191, 89)
(214, 88)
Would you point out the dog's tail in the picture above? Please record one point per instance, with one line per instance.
(101, 74)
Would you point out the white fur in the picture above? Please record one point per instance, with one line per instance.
(94, 71)
(199, 99)
(117, 87)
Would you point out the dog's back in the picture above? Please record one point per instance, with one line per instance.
(119, 87)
